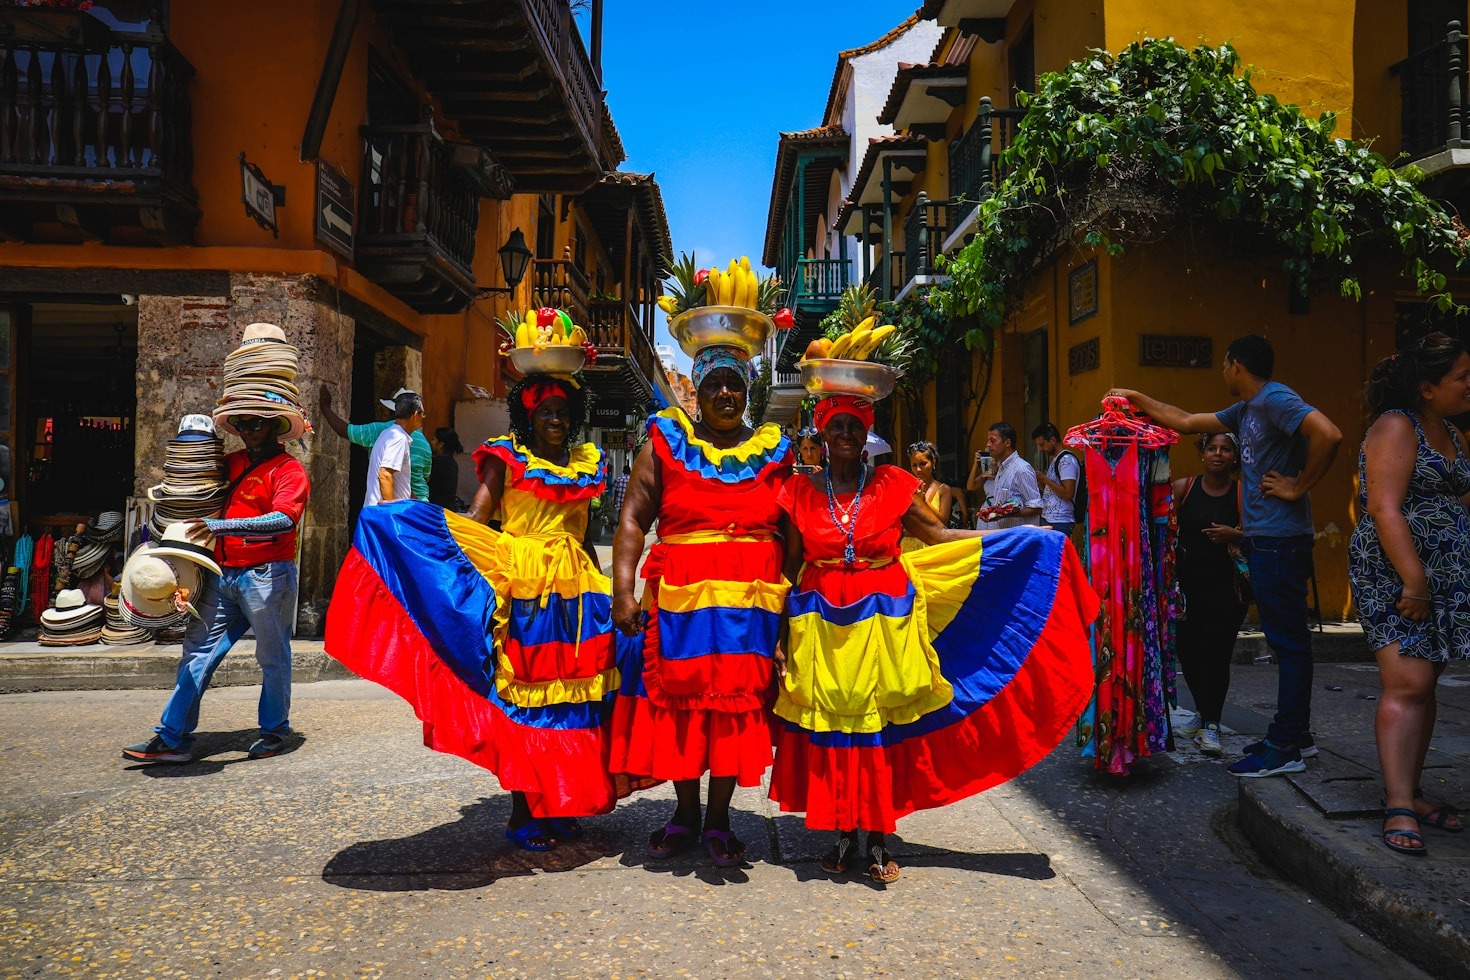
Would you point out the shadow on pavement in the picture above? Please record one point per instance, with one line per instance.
(209, 745)
(470, 853)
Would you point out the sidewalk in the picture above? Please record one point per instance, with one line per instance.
(1321, 827)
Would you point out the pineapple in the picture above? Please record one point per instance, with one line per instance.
(508, 322)
(768, 301)
(682, 288)
(855, 305)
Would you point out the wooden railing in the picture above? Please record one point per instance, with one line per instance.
(412, 192)
(559, 283)
(1432, 94)
(615, 328)
(112, 109)
(818, 282)
(552, 20)
(924, 229)
(894, 267)
(974, 158)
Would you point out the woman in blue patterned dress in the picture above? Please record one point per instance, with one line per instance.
(1409, 567)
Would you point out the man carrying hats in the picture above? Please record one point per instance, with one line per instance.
(255, 590)
(365, 434)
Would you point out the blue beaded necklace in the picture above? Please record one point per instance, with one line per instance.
(848, 554)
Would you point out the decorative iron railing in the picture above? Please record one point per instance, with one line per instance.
(412, 192)
(974, 158)
(1432, 94)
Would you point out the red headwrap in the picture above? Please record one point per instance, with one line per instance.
(834, 405)
(533, 394)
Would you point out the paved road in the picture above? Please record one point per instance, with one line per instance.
(363, 854)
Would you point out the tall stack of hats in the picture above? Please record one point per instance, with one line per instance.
(260, 380)
(116, 631)
(72, 623)
(98, 541)
(194, 482)
(9, 600)
(162, 579)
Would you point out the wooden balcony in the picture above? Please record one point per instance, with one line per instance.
(516, 77)
(815, 286)
(95, 137)
(974, 158)
(626, 368)
(419, 213)
(558, 283)
(925, 228)
(1432, 93)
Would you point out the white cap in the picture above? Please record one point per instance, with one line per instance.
(196, 423)
(388, 402)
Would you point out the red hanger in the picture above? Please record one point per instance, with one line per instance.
(1119, 424)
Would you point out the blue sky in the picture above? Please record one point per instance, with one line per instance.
(699, 93)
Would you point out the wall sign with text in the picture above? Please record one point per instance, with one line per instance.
(1082, 292)
(1169, 350)
(1086, 356)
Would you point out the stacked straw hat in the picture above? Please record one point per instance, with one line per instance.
(162, 579)
(98, 541)
(72, 623)
(194, 482)
(260, 380)
(116, 631)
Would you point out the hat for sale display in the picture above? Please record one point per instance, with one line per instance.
(157, 591)
(175, 542)
(105, 527)
(90, 558)
(115, 630)
(194, 481)
(72, 622)
(260, 378)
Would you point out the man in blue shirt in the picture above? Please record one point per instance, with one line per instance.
(420, 453)
(1286, 447)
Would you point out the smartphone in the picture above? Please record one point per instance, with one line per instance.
(805, 468)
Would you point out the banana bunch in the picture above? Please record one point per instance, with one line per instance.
(546, 327)
(859, 344)
(736, 286)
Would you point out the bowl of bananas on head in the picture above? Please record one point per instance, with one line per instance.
(548, 342)
(730, 307)
(866, 361)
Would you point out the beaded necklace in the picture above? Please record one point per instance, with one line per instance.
(848, 554)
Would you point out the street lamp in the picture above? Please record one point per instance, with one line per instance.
(514, 257)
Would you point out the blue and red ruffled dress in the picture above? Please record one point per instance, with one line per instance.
(501, 640)
(713, 593)
(917, 679)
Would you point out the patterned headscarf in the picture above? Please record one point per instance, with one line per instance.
(538, 391)
(834, 405)
(720, 356)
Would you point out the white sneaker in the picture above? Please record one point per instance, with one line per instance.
(1208, 739)
(1190, 725)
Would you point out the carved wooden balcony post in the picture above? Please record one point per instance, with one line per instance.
(1457, 82)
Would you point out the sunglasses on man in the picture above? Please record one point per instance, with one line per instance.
(251, 424)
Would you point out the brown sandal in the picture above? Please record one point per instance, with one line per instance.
(883, 868)
(839, 860)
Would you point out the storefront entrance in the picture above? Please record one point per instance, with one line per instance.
(72, 375)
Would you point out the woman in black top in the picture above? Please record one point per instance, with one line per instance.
(1209, 522)
(444, 469)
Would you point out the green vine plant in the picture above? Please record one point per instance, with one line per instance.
(1123, 150)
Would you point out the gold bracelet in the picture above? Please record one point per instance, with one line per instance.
(1421, 598)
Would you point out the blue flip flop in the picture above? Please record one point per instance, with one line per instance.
(567, 828)
(526, 835)
(1396, 811)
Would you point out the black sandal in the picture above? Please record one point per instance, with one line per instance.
(1395, 811)
(838, 861)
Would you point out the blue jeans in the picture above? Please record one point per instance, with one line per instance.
(262, 598)
(1280, 568)
(1064, 526)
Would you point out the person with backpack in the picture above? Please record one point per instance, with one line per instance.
(1063, 487)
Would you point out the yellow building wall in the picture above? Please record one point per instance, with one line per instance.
(1301, 52)
(1381, 37)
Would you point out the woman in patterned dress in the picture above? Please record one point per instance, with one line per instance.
(698, 703)
(1408, 566)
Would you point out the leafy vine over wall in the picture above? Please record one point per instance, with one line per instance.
(1121, 150)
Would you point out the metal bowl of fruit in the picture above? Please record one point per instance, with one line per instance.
(831, 376)
(551, 359)
(729, 326)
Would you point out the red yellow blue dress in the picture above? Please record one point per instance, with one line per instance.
(713, 592)
(501, 640)
(917, 679)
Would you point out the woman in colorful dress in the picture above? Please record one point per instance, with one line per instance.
(501, 641)
(711, 604)
(914, 680)
(1408, 567)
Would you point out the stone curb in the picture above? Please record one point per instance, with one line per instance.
(29, 667)
(1396, 908)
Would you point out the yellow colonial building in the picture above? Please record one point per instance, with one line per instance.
(1158, 317)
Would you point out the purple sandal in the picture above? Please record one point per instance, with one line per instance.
(675, 838)
(731, 858)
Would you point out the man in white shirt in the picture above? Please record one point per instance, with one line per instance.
(1011, 489)
(389, 469)
(1060, 475)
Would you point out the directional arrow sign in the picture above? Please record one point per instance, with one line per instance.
(334, 199)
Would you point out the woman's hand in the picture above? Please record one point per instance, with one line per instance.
(1413, 606)
(627, 615)
(1221, 534)
(780, 658)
